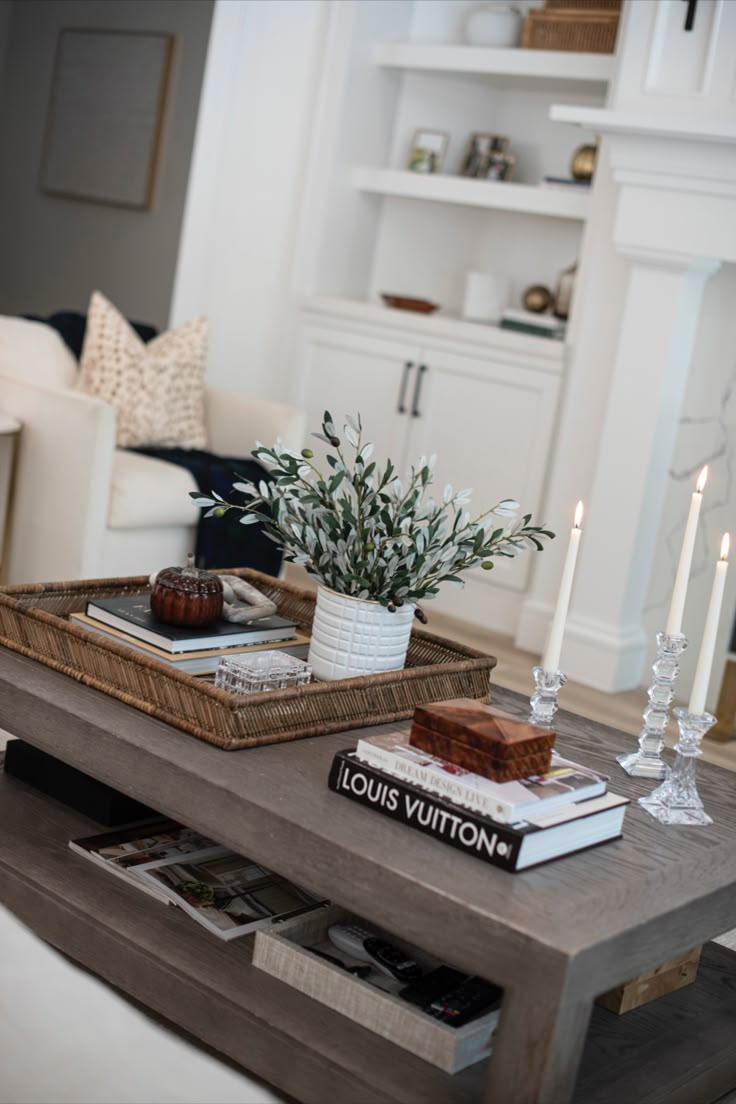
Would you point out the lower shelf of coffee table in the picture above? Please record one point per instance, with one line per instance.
(678, 1049)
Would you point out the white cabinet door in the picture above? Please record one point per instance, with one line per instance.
(353, 374)
(490, 425)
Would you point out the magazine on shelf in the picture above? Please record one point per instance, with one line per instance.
(228, 894)
(123, 850)
(563, 784)
(132, 614)
(202, 662)
(513, 847)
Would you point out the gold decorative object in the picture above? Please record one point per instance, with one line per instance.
(537, 298)
(583, 162)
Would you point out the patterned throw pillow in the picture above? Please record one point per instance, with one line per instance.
(157, 389)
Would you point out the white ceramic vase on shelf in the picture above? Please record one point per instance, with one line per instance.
(354, 636)
(492, 24)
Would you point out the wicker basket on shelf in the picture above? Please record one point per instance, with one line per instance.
(585, 5)
(585, 30)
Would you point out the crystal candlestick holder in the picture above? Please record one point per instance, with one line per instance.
(647, 761)
(677, 801)
(544, 699)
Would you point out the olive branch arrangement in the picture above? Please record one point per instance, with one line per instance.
(362, 531)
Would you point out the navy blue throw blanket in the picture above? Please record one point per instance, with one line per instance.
(224, 542)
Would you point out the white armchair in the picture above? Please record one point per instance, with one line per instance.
(81, 508)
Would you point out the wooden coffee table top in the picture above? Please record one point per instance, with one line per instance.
(673, 887)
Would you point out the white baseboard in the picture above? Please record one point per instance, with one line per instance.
(605, 657)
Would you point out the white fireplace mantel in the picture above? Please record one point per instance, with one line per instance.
(677, 187)
(668, 144)
(634, 122)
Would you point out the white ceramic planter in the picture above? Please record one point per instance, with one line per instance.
(352, 636)
(494, 24)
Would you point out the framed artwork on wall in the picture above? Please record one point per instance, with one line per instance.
(106, 115)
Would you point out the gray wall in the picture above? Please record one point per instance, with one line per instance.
(54, 252)
(6, 7)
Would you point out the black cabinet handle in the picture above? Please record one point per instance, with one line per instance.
(415, 411)
(408, 365)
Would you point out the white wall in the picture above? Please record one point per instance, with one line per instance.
(55, 251)
(249, 165)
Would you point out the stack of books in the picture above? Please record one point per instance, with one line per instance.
(129, 620)
(541, 325)
(514, 825)
(567, 182)
(227, 893)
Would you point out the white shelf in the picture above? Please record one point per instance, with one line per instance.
(546, 353)
(530, 199)
(536, 64)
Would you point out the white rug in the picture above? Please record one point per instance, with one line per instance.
(66, 1038)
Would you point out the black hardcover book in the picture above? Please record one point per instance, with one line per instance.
(511, 846)
(131, 613)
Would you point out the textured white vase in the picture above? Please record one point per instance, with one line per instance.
(352, 636)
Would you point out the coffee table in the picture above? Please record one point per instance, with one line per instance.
(554, 937)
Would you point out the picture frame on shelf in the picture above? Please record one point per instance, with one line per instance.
(500, 167)
(427, 151)
(480, 148)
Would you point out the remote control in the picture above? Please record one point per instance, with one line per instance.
(358, 971)
(366, 946)
(468, 1000)
(437, 983)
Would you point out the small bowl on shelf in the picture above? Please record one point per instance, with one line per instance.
(405, 302)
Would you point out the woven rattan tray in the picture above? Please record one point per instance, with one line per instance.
(33, 622)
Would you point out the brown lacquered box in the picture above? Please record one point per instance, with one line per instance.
(482, 739)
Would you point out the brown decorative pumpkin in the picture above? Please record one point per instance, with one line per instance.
(186, 596)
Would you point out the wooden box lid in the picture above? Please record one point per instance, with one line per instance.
(484, 727)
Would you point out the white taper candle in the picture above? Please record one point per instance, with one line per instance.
(551, 657)
(708, 643)
(677, 604)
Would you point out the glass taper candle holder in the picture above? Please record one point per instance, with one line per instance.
(677, 800)
(647, 762)
(544, 699)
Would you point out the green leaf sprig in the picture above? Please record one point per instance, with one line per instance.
(362, 531)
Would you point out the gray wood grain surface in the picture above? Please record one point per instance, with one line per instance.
(554, 937)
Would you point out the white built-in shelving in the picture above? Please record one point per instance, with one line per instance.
(481, 60)
(386, 228)
(558, 202)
